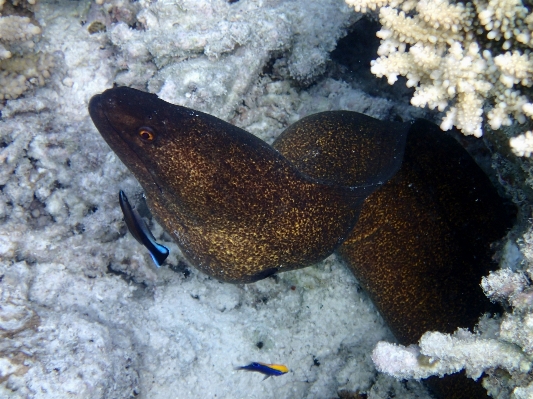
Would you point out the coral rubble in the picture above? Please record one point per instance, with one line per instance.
(83, 312)
(22, 66)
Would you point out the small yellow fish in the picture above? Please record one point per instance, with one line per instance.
(268, 370)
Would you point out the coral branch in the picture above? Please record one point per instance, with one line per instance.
(440, 354)
(460, 57)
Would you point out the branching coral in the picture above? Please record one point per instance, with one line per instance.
(473, 61)
(440, 354)
(522, 145)
(504, 343)
(460, 57)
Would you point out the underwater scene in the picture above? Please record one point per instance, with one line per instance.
(323, 199)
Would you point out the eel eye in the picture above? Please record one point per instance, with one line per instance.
(146, 134)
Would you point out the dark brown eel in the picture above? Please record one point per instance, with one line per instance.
(241, 210)
(238, 209)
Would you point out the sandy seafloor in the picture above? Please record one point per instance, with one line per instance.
(84, 313)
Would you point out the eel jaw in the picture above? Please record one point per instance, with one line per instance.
(120, 147)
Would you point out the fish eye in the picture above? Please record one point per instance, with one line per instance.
(146, 134)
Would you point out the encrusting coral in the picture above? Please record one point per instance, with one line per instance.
(16, 31)
(18, 74)
(461, 57)
(21, 67)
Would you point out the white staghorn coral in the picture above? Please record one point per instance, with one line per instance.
(498, 343)
(472, 61)
(459, 57)
(522, 145)
(440, 354)
(515, 68)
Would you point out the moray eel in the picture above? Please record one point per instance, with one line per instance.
(140, 231)
(425, 240)
(238, 209)
(422, 241)
(241, 210)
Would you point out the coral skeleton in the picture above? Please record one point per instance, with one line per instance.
(166, 56)
(21, 67)
(441, 354)
(18, 74)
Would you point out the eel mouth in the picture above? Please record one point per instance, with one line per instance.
(120, 146)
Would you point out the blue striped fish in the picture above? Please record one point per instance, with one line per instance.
(268, 370)
(140, 231)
